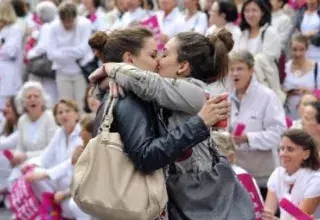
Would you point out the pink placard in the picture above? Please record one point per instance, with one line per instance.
(153, 24)
(294, 210)
(247, 181)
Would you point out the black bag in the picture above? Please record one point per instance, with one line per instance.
(209, 195)
(41, 66)
(89, 67)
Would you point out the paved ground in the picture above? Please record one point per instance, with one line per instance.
(4, 214)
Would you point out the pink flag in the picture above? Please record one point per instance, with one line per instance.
(153, 24)
(247, 181)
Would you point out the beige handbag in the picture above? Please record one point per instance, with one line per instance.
(106, 184)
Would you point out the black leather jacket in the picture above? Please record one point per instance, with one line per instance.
(144, 139)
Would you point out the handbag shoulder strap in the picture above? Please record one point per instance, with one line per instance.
(316, 76)
(108, 114)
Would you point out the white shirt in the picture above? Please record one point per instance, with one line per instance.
(10, 60)
(56, 159)
(282, 23)
(305, 187)
(269, 45)
(311, 22)
(233, 29)
(65, 47)
(130, 17)
(198, 23)
(294, 82)
(44, 129)
(172, 24)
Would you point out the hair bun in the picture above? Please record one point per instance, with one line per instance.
(223, 36)
(98, 40)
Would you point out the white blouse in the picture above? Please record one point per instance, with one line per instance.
(56, 159)
(34, 137)
(198, 23)
(311, 22)
(306, 186)
(172, 24)
(293, 81)
(10, 141)
(282, 23)
(130, 17)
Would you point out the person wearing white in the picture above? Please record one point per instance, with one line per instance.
(223, 14)
(36, 125)
(305, 100)
(132, 16)
(171, 20)
(261, 111)
(68, 45)
(55, 172)
(281, 22)
(47, 11)
(10, 53)
(96, 14)
(195, 19)
(308, 23)
(297, 179)
(300, 75)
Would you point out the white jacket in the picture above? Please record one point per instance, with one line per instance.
(65, 47)
(56, 159)
(262, 113)
(269, 45)
(10, 60)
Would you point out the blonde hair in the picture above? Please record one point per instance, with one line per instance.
(7, 13)
(224, 143)
(243, 56)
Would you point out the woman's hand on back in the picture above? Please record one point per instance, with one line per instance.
(215, 109)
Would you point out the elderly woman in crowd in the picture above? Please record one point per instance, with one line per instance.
(261, 111)
(47, 11)
(36, 125)
(10, 52)
(55, 171)
(298, 177)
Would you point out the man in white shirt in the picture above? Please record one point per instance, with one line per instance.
(68, 49)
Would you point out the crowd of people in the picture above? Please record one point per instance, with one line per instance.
(251, 62)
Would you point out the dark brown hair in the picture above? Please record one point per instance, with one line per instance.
(67, 10)
(112, 46)
(304, 140)
(316, 106)
(9, 126)
(207, 56)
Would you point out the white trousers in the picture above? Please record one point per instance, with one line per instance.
(69, 207)
(72, 87)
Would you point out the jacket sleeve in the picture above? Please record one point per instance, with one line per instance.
(12, 46)
(271, 43)
(274, 125)
(148, 151)
(10, 141)
(173, 94)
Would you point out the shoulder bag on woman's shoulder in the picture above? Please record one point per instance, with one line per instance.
(214, 194)
(106, 184)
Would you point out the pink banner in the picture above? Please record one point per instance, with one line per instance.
(247, 181)
(153, 24)
(294, 210)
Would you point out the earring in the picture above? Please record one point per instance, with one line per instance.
(177, 73)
